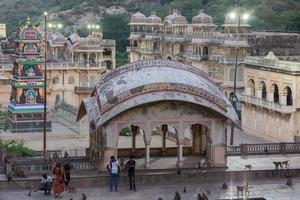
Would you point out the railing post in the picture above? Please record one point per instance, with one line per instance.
(243, 148)
(282, 147)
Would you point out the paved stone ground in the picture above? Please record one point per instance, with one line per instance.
(274, 189)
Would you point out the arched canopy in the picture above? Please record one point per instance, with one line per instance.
(148, 81)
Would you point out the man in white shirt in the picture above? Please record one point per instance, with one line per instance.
(114, 169)
(46, 183)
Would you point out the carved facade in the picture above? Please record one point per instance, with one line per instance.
(197, 44)
(270, 101)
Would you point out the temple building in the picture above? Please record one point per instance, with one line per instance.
(27, 100)
(270, 102)
(169, 108)
(74, 65)
(197, 44)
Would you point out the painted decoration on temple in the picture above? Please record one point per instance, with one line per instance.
(27, 95)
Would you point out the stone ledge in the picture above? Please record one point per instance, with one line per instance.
(192, 176)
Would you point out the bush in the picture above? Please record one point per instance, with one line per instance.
(16, 148)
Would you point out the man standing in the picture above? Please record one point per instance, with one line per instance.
(130, 166)
(114, 168)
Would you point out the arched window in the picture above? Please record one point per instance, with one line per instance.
(263, 90)
(251, 86)
(276, 93)
(205, 53)
(55, 80)
(92, 59)
(84, 82)
(92, 81)
(71, 80)
(289, 97)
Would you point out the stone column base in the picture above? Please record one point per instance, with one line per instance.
(107, 153)
(179, 164)
(147, 166)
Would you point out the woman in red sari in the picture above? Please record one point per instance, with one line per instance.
(59, 180)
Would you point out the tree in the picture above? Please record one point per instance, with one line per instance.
(116, 27)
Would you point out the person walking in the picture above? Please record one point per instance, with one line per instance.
(114, 169)
(67, 168)
(130, 166)
(59, 180)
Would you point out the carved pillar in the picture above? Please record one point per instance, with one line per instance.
(134, 130)
(164, 130)
(110, 135)
(180, 142)
(147, 140)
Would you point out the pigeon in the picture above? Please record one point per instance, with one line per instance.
(208, 192)
(184, 189)
(29, 193)
(177, 196)
(83, 196)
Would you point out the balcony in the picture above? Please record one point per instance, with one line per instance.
(177, 38)
(72, 65)
(84, 90)
(236, 42)
(266, 104)
(222, 59)
(192, 56)
(144, 50)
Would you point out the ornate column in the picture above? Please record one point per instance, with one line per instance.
(180, 142)
(164, 130)
(147, 140)
(134, 130)
(110, 137)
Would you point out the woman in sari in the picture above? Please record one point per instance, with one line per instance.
(59, 180)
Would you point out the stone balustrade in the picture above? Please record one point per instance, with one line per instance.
(264, 149)
(277, 64)
(266, 104)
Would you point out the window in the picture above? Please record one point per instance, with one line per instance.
(276, 94)
(263, 90)
(240, 75)
(71, 80)
(92, 81)
(289, 97)
(55, 80)
(251, 85)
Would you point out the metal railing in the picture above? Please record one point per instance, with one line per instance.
(266, 104)
(264, 149)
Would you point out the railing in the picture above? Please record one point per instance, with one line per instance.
(278, 64)
(266, 104)
(264, 149)
(193, 56)
(84, 89)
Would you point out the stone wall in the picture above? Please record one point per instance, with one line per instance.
(282, 44)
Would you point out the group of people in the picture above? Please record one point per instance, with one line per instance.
(62, 179)
(113, 167)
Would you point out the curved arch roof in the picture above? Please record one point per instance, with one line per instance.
(150, 81)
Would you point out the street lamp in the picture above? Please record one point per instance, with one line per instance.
(236, 15)
(54, 26)
(45, 87)
(92, 27)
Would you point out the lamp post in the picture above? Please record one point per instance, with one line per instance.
(45, 87)
(245, 16)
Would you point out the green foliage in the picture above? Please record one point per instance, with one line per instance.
(116, 27)
(125, 132)
(16, 148)
(122, 58)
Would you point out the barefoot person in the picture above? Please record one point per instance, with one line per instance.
(114, 169)
(59, 180)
